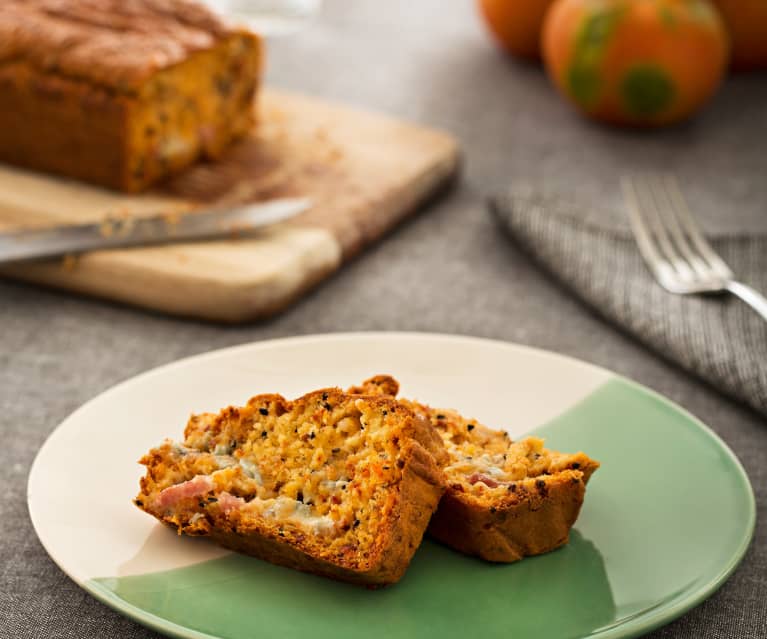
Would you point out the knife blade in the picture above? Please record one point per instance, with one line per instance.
(121, 231)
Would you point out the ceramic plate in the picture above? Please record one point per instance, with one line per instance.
(666, 519)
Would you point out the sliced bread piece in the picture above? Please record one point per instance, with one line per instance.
(504, 500)
(334, 484)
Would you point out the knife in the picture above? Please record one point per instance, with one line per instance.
(121, 231)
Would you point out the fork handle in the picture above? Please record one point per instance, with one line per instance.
(754, 299)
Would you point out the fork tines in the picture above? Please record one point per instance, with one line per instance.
(668, 237)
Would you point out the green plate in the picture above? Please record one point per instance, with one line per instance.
(667, 517)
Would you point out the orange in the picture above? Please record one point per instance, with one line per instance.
(635, 62)
(516, 24)
(746, 21)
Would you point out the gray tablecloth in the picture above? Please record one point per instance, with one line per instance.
(449, 270)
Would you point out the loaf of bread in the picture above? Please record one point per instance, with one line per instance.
(503, 500)
(121, 93)
(334, 484)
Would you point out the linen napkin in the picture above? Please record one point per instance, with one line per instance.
(716, 337)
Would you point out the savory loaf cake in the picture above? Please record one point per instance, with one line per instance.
(334, 484)
(121, 93)
(504, 500)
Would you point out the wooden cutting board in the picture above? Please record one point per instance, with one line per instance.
(364, 172)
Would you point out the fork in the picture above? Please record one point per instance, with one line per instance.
(672, 245)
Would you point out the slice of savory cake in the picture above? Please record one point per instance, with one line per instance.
(335, 484)
(504, 500)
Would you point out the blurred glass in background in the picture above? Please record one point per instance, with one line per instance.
(268, 17)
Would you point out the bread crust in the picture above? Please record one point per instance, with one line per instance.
(536, 520)
(109, 43)
(409, 504)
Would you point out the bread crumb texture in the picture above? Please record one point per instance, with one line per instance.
(332, 483)
(504, 499)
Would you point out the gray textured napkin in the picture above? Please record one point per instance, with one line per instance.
(718, 338)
